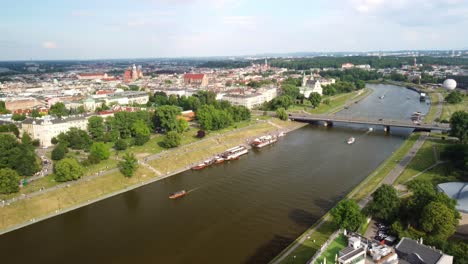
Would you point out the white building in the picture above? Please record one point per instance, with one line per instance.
(251, 100)
(127, 98)
(46, 128)
(310, 85)
(355, 253)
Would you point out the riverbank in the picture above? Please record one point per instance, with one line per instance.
(336, 103)
(159, 166)
(391, 170)
(306, 245)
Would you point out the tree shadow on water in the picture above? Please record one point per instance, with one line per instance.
(302, 217)
(268, 251)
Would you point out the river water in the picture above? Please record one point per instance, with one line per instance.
(245, 211)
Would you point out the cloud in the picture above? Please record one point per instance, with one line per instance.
(49, 45)
(413, 13)
(240, 20)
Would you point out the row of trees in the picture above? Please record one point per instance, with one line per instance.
(16, 158)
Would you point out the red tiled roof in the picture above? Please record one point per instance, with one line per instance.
(104, 92)
(195, 76)
(91, 74)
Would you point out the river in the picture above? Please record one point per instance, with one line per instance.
(245, 211)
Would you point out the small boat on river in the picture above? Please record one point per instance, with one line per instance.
(351, 140)
(218, 160)
(235, 153)
(203, 165)
(177, 194)
(263, 141)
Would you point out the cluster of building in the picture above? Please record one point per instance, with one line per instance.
(407, 251)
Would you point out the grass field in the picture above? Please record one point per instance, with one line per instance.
(433, 110)
(449, 109)
(333, 249)
(337, 102)
(307, 249)
(373, 181)
(422, 160)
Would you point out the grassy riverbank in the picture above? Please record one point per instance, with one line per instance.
(449, 109)
(55, 201)
(337, 102)
(431, 115)
(307, 248)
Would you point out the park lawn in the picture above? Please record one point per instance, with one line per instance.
(423, 159)
(189, 155)
(337, 102)
(433, 108)
(373, 180)
(78, 193)
(333, 249)
(48, 181)
(306, 250)
(449, 109)
(438, 174)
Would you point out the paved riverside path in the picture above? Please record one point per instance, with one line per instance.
(389, 179)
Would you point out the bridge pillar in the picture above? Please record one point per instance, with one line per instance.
(387, 129)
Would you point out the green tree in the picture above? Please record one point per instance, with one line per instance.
(281, 113)
(160, 98)
(67, 169)
(18, 117)
(9, 181)
(140, 132)
(75, 138)
(291, 91)
(459, 125)
(165, 117)
(128, 165)
(96, 127)
(10, 128)
(315, 99)
(423, 194)
(3, 109)
(454, 97)
(385, 203)
(35, 113)
(59, 151)
(283, 101)
(17, 156)
(211, 118)
(171, 140)
(120, 144)
(438, 220)
(347, 215)
(99, 151)
(182, 125)
(58, 109)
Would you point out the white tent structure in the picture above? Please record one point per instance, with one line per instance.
(457, 191)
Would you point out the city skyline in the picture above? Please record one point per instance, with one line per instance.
(205, 28)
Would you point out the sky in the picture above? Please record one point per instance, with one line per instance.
(98, 29)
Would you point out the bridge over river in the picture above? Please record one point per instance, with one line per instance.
(386, 123)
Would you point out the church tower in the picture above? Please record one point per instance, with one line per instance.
(134, 73)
